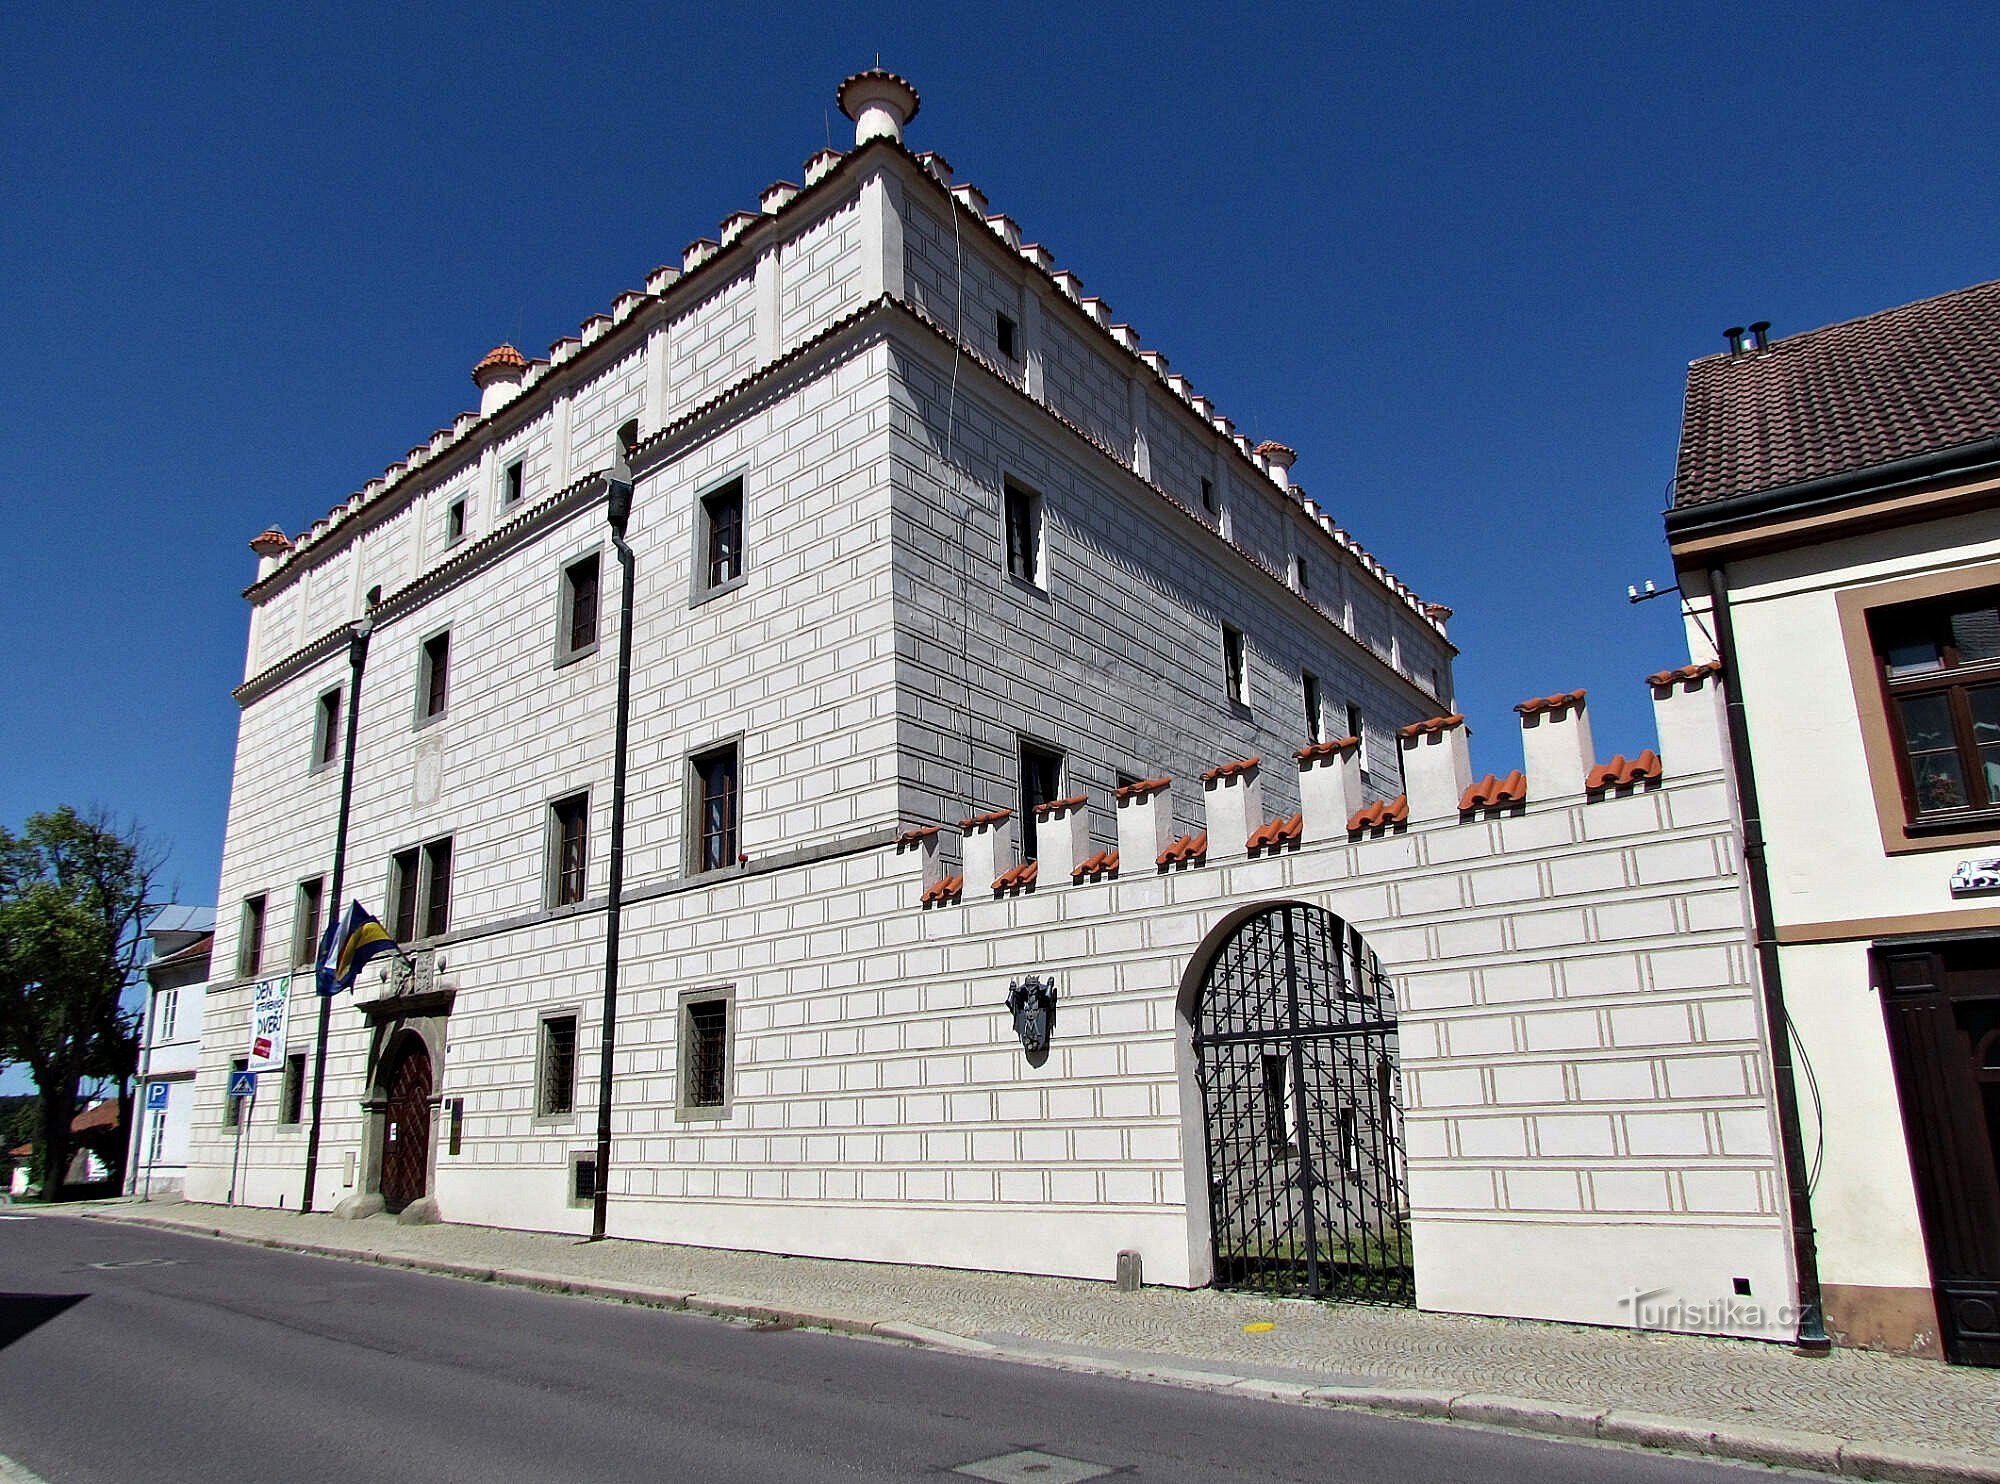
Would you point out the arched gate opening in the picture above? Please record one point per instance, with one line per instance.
(1296, 1057)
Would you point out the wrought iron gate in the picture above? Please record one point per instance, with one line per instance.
(1295, 1041)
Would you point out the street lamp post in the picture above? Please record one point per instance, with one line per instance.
(357, 658)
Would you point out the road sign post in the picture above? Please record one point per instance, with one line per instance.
(156, 1107)
(243, 1088)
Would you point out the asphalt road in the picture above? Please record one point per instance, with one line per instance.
(133, 1355)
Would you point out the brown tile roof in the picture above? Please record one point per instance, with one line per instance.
(1230, 770)
(1494, 793)
(1143, 788)
(1380, 816)
(1332, 747)
(941, 893)
(104, 1115)
(1435, 724)
(980, 821)
(1923, 378)
(911, 837)
(1189, 850)
(501, 357)
(270, 542)
(1621, 773)
(1016, 878)
(1056, 806)
(1277, 833)
(1562, 701)
(1104, 863)
(1686, 673)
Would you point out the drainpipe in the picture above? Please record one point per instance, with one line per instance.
(1812, 1338)
(618, 510)
(357, 658)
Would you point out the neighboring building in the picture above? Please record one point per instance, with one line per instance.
(21, 1157)
(1834, 527)
(973, 653)
(177, 973)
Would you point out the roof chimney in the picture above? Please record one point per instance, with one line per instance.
(880, 103)
(498, 376)
(1757, 333)
(1281, 459)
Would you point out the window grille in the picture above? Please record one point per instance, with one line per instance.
(707, 1053)
(722, 514)
(558, 1091)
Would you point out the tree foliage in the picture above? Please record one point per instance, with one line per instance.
(73, 889)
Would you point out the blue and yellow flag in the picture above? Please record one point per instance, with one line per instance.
(349, 944)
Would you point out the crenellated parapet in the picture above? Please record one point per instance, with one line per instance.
(1439, 791)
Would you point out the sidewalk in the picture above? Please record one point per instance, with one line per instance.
(1861, 1414)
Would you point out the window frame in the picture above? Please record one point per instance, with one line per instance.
(412, 895)
(307, 926)
(685, 1107)
(327, 736)
(166, 1014)
(513, 482)
(702, 558)
(554, 894)
(401, 896)
(250, 930)
(695, 854)
(1033, 554)
(457, 515)
(1007, 334)
(1025, 802)
(1236, 668)
(292, 1090)
(577, 1198)
(544, 1049)
(567, 653)
(433, 678)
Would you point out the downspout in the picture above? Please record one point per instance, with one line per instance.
(357, 659)
(1812, 1338)
(618, 510)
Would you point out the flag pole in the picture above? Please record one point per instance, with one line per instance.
(357, 658)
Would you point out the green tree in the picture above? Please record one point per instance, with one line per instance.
(73, 890)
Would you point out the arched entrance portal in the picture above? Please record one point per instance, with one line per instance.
(1295, 1046)
(406, 1129)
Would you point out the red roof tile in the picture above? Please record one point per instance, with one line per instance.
(1491, 793)
(938, 893)
(1144, 788)
(270, 542)
(1104, 863)
(1231, 770)
(104, 1115)
(1277, 832)
(1621, 773)
(500, 358)
(1380, 816)
(1561, 701)
(1056, 806)
(1016, 878)
(1686, 673)
(875, 75)
(981, 821)
(1272, 446)
(1332, 747)
(1435, 724)
(911, 837)
(1187, 851)
(1922, 378)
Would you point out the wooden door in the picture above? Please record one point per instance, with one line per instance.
(1943, 1009)
(406, 1133)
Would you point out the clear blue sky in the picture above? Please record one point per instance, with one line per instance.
(1457, 255)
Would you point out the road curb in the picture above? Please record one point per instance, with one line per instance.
(1826, 1453)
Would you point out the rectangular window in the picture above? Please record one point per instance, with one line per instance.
(1355, 729)
(454, 522)
(714, 796)
(403, 873)
(1301, 573)
(1235, 666)
(578, 632)
(306, 920)
(291, 1107)
(1024, 533)
(1005, 332)
(513, 484)
(1208, 495)
(437, 887)
(1041, 782)
(434, 677)
(1940, 669)
(250, 944)
(705, 1052)
(569, 849)
(166, 1011)
(1315, 708)
(722, 536)
(1278, 1103)
(326, 729)
(583, 1179)
(156, 1142)
(556, 1090)
(232, 1108)
(455, 1139)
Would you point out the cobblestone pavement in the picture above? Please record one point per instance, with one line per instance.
(1712, 1382)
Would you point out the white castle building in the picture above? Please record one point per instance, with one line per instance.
(972, 653)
